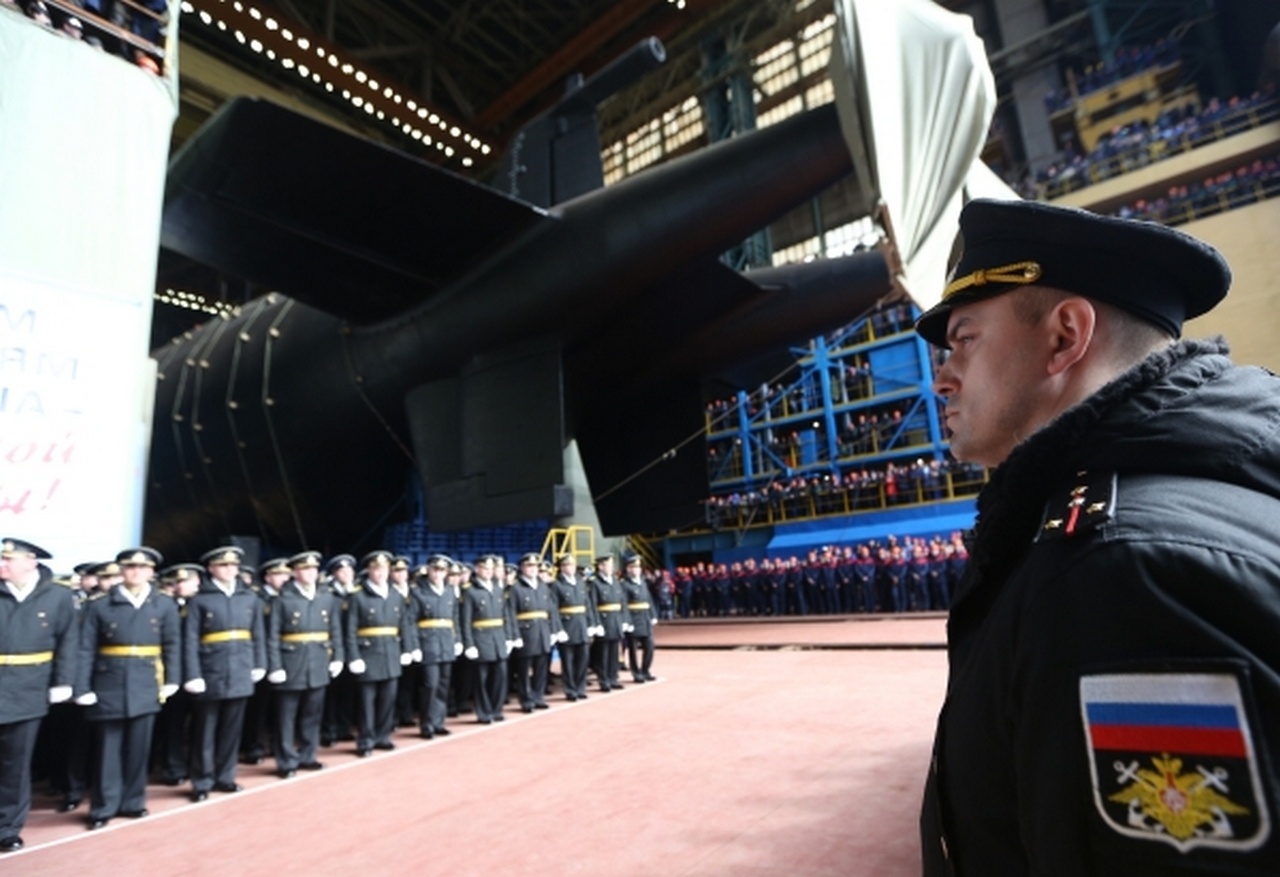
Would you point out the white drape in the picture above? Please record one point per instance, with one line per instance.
(915, 96)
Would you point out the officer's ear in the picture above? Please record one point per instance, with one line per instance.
(1070, 325)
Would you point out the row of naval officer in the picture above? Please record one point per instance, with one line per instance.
(219, 638)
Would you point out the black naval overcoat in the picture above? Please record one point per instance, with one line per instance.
(378, 632)
(223, 641)
(40, 634)
(576, 608)
(640, 609)
(127, 653)
(537, 613)
(436, 617)
(1113, 705)
(611, 605)
(487, 622)
(304, 636)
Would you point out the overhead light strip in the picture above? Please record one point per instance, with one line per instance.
(328, 67)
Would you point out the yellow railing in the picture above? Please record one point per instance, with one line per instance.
(577, 539)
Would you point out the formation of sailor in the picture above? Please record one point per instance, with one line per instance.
(157, 667)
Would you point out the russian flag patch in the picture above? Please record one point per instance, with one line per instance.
(1173, 759)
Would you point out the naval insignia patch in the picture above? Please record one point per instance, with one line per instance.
(1173, 759)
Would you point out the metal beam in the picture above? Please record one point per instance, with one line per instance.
(564, 60)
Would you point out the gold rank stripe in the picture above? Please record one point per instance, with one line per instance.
(637, 606)
(129, 651)
(536, 615)
(487, 622)
(378, 631)
(224, 636)
(23, 660)
(572, 610)
(428, 623)
(314, 636)
(1018, 272)
(610, 607)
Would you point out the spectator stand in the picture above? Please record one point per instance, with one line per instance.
(137, 30)
(855, 434)
(1176, 131)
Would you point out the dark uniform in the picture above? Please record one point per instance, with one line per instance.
(130, 662)
(578, 619)
(225, 652)
(435, 613)
(411, 674)
(537, 613)
(488, 630)
(611, 606)
(642, 619)
(1113, 705)
(304, 651)
(64, 743)
(255, 740)
(380, 641)
(171, 737)
(37, 665)
(341, 695)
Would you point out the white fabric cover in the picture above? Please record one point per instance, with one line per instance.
(915, 96)
(84, 142)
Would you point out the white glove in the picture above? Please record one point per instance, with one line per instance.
(168, 691)
(406, 658)
(628, 628)
(89, 698)
(457, 649)
(598, 630)
(473, 653)
(275, 677)
(518, 642)
(257, 674)
(653, 622)
(59, 694)
(562, 636)
(510, 645)
(194, 686)
(417, 656)
(356, 666)
(335, 667)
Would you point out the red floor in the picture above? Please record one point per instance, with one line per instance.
(797, 761)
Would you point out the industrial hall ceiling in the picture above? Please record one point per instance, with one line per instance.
(484, 67)
(449, 81)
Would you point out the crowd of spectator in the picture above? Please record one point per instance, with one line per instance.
(1129, 147)
(832, 493)
(1128, 61)
(914, 574)
(889, 427)
(107, 23)
(1247, 184)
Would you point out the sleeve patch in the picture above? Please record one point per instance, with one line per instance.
(1173, 761)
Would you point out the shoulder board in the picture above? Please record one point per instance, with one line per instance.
(96, 595)
(1087, 505)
